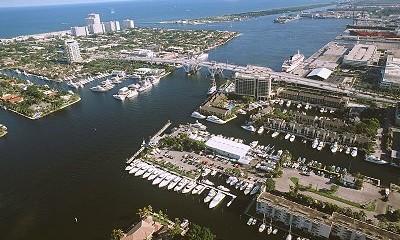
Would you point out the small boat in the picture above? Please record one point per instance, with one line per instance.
(275, 231)
(292, 138)
(353, 152)
(210, 195)
(208, 182)
(212, 89)
(262, 226)
(288, 103)
(269, 230)
(289, 236)
(320, 146)
(275, 134)
(287, 136)
(189, 187)
(334, 147)
(260, 130)
(315, 143)
(249, 128)
(299, 106)
(348, 150)
(374, 159)
(198, 115)
(250, 221)
(254, 221)
(222, 188)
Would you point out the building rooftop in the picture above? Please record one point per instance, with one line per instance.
(323, 73)
(227, 145)
(392, 70)
(361, 52)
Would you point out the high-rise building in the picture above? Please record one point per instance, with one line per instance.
(72, 51)
(255, 86)
(94, 24)
(111, 26)
(127, 23)
(79, 31)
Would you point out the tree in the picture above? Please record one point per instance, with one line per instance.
(269, 185)
(286, 157)
(334, 188)
(175, 230)
(116, 234)
(197, 232)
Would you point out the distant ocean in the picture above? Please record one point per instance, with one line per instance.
(31, 20)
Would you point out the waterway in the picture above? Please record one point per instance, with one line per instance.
(70, 164)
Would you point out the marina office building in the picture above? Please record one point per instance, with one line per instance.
(258, 87)
(318, 224)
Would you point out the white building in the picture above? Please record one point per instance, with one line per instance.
(72, 51)
(79, 31)
(112, 26)
(391, 74)
(227, 148)
(94, 24)
(362, 55)
(127, 23)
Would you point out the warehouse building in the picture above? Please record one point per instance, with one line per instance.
(228, 148)
(362, 55)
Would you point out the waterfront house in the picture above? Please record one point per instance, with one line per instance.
(143, 230)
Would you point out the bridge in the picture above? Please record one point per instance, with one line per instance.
(192, 65)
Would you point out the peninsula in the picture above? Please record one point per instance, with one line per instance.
(247, 15)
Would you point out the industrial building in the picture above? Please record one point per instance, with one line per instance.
(72, 51)
(362, 55)
(320, 74)
(331, 57)
(227, 148)
(258, 87)
(391, 74)
(79, 31)
(316, 223)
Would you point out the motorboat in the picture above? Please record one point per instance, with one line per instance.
(288, 103)
(198, 125)
(155, 174)
(275, 134)
(250, 221)
(208, 182)
(374, 159)
(249, 128)
(299, 106)
(181, 185)
(348, 149)
(292, 138)
(260, 130)
(189, 187)
(144, 85)
(212, 89)
(334, 147)
(166, 180)
(132, 94)
(238, 184)
(122, 93)
(241, 112)
(210, 195)
(353, 152)
(255, 189)
(315, 143)
(174, 182)
(287, 136)
(222, 188)
(134, 86)
(262, 227)
(215, 119)
(229, 179)
(243, 186)
(197, 189)
(275, 231)
(216, 200)
(198, 115)
(320, 145)
(160, 178)
(98, 88)
(149, 172)
(248, 188)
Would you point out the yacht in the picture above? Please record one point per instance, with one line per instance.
(260, 130)
(249, 128)
(166, 180)
(208, 182)
(291, 63)
(198, 125)
(320, 145)
(159, 178)
(198, 115)
(275, 134)
(253, 144)
(238, 184)
(98, 88)
(174, 182)
(181, 185)
(197, 189)
(189, 187)
(134, 86)
(216, 200)
(299, 106)
(315, 143)
(210, 196)
(262, 227)
(149, 172)
(222, 188)
(122, 93)
(269, 230)
(248, 188)
(212, 89)
(287, 136)
(132, 94)
(134, 169)
(243, 186)
(229, 179)
(292, 138)
(250, 221)
(348, 150)
(288, 103)
(275, 231)
(205, 172)
(214, 172)
(153, 79)
(215, 119)
(145, 85)
(353, 152)
(155, 174)
(142, 170)
(334, 147)
(374, 159)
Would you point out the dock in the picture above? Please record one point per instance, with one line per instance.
(129, 160)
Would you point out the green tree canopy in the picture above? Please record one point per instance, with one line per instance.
(197, 232)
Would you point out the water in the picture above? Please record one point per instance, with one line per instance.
(70, 164)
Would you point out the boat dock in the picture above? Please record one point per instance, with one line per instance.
(129, 160)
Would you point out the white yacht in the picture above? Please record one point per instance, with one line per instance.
(159, 178)
(210, 196)
(145, 85)
(149, 172)
(174, 182)
(292, 138)
(154, 174)
(98, 88)
(291, 63)
(275, 134)
(243, 186)
(122, 93)
(208, 182)
(198, 115)
(212, 89)
(134, 86)
(153, 79)
(260, 130)
(287, 136)
(222, 188)
(348, 150)
(262, 227)
(376, 160)
(142, 170)
(215, 119)
(299, 106)
(234, 181)
(189, 187)
(132, 94)
(167, 180)
(197, 189)
(205, 172)
(320, 145)
(181, 185)
(334, 147)
(353, 152)
(250, 128)
(315, 143)
(217, 199)
(198, 125)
